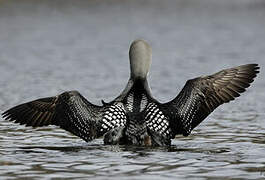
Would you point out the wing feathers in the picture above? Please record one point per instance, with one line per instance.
(69, 110)
(35, 113)
(207, 93)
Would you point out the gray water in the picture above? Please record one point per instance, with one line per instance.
(47, 47)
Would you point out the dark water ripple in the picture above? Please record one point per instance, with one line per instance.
(47, 47)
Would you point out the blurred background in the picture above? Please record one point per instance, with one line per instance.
(50, 46)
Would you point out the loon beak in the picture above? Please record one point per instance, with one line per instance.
(140, 55)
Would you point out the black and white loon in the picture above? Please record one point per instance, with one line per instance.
(135, 117)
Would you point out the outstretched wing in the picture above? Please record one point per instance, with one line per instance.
(72, 112)
(201, 96)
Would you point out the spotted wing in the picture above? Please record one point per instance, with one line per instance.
(156, 120)
(201, 96)
(113, 116)
(69, 110)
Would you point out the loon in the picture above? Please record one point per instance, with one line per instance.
(135, 117)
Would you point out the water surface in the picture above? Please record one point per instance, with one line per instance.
(47, 47)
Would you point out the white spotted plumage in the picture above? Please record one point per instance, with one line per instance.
(113, 117)
(156, 120)
(129, 103)
(143, 103)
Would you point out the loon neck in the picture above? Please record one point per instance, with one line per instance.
(139, 84)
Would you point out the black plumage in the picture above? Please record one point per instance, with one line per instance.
(70, 111)
(202, 95)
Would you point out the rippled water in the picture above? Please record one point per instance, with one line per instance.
(47, 47)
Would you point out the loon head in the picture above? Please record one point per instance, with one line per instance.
(140, 55)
